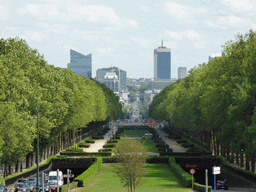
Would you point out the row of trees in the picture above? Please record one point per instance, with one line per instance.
(219, 99)
(66, 102)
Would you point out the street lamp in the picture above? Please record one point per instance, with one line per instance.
(37, 152)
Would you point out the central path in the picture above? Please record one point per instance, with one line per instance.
(171, 142)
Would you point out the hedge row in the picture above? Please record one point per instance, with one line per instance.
(86, 176)
(97, 137)
(112, 141)
(201, 188)
(64, 188)
(87, 145)
(182, 175)
(109, 145)
(85, 154)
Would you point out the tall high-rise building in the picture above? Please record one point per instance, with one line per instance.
(80, 64)
(182, 72)
(162, 62)
(121, 74)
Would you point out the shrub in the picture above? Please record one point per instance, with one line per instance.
(181, 141)
(86, 176)
(97, 137)
(186, 145)
(112, 141)
(201, 188)
(89, 141)
(72, 185)
(84, 145)
(183, 176)
(162, 145)
(109, 145)
(104, 150)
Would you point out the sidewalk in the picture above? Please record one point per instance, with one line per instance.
(94, 147)
(171, 142)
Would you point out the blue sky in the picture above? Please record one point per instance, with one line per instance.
(124, 33)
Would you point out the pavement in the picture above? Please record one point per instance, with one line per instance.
(171, 142)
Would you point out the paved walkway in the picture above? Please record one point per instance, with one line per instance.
(94, 147)
(171, 142)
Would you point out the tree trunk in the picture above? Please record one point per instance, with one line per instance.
(247, 162)
(253, 164)
(242, 160)
(237, 157)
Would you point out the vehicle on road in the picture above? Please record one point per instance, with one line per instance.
(31, 186)
(21, 187)
(53, 186)
(47, 187)
(222, 184)
(53, 177)
(3, 188)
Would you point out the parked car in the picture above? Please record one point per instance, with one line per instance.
(3, 188)
(21, 187)
(222, 184)
(31, 185)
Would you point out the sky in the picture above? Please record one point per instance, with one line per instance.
(125, 33)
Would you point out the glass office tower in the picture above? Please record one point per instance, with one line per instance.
(80, 64)
(162, 62)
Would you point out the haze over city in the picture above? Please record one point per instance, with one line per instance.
(125, 33)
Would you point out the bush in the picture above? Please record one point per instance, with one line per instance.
(183, 176)
(181, 141)
(161, 145)
(104, 150)
(89, 141)
(97, 137)
(86, 176)
(201, 188)
(72, 185)
(186, 145)
(109, 145)
(111, 159)
(84, 145)
(156, 159)
(112, 141)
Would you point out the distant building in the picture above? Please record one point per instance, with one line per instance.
(162, 62)
(111, 81)
(80, 64)
(160, 84)
(214, 55)
(121, 74)
(182, 72)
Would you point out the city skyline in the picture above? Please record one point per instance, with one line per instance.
(123, 34)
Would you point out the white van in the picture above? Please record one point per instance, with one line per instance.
(53, 177)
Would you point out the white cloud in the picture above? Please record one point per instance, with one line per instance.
(86, 35)
(143, 41)
(199, 45)
(55, 28)
(4, 12)
(34, 35)
(144, 8)
(210, 23)
(235, 21)
(238, 5)
(11, 28)
(80, 12)
(183, 12)
(188, 34)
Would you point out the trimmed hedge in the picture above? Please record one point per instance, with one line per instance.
(97, 137)
(112, 141)
(201, 188)
(86, 176)
(109, 145)
(181, 141)
(90, 141)
(161, 145)
(85, 154)
(104, 150)
(182, 175)
(64, 188)
(87, 145)
(186, 145)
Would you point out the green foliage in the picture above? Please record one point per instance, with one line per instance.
(201, 188)
(72, 185)
(86, 176)
(65, 101)
(183, 176)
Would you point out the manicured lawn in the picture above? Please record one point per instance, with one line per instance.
(158, 178)
(134, 133)
(148, 144)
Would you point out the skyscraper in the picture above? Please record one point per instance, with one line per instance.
(80, 64)
(182, 72)
(121, 74)
(162, 62)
